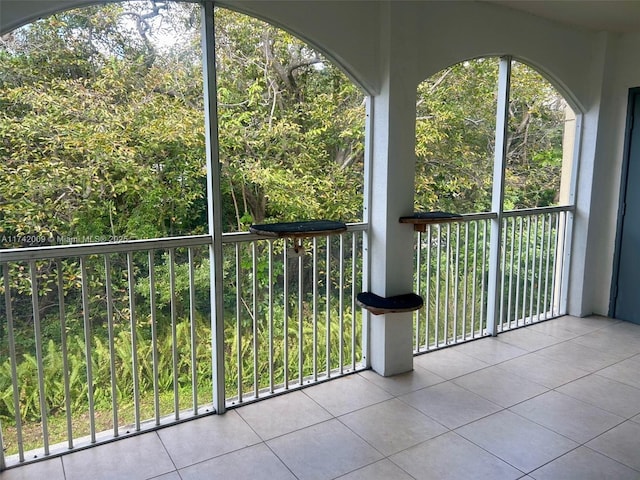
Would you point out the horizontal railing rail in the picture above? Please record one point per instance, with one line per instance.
(538, 210)
(83, 249)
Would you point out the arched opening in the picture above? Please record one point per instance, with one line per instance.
(494, 148)
(455, 139)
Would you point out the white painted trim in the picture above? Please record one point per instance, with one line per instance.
(214, 203)
(497, 198)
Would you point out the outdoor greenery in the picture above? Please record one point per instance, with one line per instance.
(102, 139)
(455, 130)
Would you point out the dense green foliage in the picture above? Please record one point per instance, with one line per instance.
(455, 131)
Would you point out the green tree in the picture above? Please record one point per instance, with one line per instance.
(455, 131)
(100, 134)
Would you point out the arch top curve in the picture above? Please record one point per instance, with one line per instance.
(377, 41)
(351, 42)
(555, 82)
(17, 13)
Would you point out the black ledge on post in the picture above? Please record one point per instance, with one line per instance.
(298, 230)
(420, 220)
(303, 229)
(399, 303)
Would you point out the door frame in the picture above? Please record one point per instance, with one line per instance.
(633, 97)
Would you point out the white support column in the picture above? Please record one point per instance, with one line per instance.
(366, 216)
(214, 202)
(497, 198)
(391, 189)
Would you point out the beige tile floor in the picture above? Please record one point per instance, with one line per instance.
(557, 400)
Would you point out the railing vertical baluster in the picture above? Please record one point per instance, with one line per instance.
(517, 304)
(301, 317)
(254, 308)
(14, 360)
(546, 273)
(427, 298)
(194, 338)
(285, 327)
(446, 286)
(328, 306)
(427, 287)
(112, 349)
(341, 305)
(315, 308)
(465, 290)
(511, 263)
(87, 346)
(562, 287)
(3, 465)
(239, 324)
(418, 291)
(254, 314)
(525, 283)
(154, 336)
(134, 342)
(540, 262)
(533, 267)
(556, 258)
(39, 358)
(503, 262)
(563, 274)
(475, 278)
(456, 284)
(353, 299)
(559, 261)
(526, 271)
(483, 293)
(271, 380)
(65, 352)
(174, 332)
(438, 253)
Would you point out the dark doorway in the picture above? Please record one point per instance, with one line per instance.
(625, 293)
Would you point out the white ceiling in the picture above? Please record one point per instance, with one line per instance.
(620, 16)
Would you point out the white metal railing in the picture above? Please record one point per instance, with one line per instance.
(120, 333)
(292, 318)
(452, 274)
(104, 340)
(533, 264)
(110, 354)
